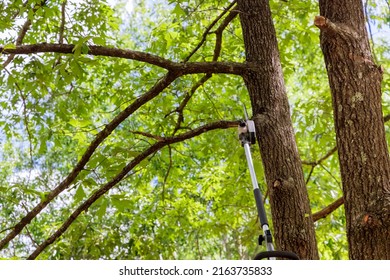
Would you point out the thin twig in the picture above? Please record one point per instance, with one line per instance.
(146, 134)
(167, 173)
(207, 31)
(18, 12)
(198, 246)
(62, 25)
(6, 229)
(31, 238)
(388, 3)
(265, 196)
(330, 173)
(310, 173)
(315, 163)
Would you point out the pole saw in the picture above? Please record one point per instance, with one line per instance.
(247, 137)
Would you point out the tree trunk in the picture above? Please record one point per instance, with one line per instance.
(291, 214)
(355, 83)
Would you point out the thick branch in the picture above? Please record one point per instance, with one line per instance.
(328, 209)
(104, 189)
(219, 31)
(183, 68)
(100, 137)
(167, 173)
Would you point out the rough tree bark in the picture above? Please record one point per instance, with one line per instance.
(291, 214)
(355, 83)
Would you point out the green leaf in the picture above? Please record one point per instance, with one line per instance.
(79, 123)
(99, 41)
(102, 209)
(80, 194)
(121, 204)
(9, 47)
(178, 10)
(89, 182)
(80, 46)
(76, 68)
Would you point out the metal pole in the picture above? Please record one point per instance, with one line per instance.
(259, 201)
(250, 165)
(247, 136)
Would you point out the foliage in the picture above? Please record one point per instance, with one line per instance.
(188, 200)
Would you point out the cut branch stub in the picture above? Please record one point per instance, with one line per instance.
(325, 24)
(345, 44)
(320, 21)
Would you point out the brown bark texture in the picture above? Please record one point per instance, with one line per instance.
(355, 83)
(291, 214)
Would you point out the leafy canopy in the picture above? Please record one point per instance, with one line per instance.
(190, 199)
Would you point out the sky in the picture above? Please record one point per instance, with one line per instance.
(129, 5)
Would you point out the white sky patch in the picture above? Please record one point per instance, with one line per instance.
(129, 6)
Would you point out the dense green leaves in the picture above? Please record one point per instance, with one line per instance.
(189, 200)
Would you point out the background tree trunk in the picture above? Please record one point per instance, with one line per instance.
(355, 83)
(291, 214)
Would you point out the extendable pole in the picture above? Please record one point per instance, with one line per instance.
(246, 134)
(259, 202)
(246, 139)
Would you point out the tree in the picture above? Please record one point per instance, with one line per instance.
(291, 212)
(73, 90)
(355, 82)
